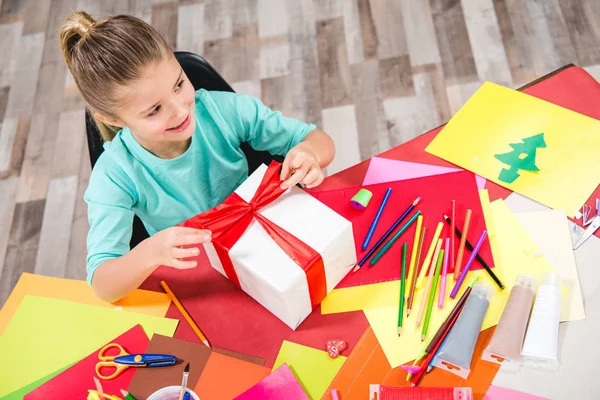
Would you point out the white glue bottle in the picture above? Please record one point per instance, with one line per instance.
(540, 348)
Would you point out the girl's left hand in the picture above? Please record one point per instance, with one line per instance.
(301, 166)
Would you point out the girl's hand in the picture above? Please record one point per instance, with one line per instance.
(167, 246)
(301, 166)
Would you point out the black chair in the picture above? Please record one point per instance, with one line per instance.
(202, 76)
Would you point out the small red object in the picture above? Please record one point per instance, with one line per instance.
(335, 347)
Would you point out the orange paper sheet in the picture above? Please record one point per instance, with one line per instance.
(367, 364)
(140, 301)
(224, 377)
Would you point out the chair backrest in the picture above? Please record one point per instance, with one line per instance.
(202, 76)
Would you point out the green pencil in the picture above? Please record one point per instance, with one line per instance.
(402, 283)
(436, 278)
(391, 242)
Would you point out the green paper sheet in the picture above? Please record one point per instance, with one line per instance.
(20, 393)
(45, 335)
(313, 368)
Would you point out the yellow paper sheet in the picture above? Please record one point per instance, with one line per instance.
(313, 368)
(550, 232)
(513, 252)
(496, 117)
(46, 334)
(141, 301)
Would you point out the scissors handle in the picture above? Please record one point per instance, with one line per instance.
(110, 364)
(102, 353)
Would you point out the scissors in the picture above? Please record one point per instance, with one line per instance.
(591, 229)
(124, 360)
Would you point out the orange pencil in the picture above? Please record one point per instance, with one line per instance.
(461, 246)
(185, 314)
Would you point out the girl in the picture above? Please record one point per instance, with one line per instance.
(170, 152)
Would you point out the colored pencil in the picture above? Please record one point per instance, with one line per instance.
(438, 247)
(127, 395)
(413, 281)
(391, 242)
(429, 256)
(185, 314)
(442, 297)
(386, 235)
(402, 283)
(376, 219)
(413, 254)
(481, 261)
(436, 278)
(452, 245)
(465, 270)
(461, 246)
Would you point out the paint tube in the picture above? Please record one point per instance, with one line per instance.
(540, 349)
(505, 346)
(457, 351)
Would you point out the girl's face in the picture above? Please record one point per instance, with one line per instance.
(158, 107)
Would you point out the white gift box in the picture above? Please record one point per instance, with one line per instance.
(266, 272)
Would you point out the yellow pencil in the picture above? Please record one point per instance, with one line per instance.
(436, 236)
(185, 314)
(438, 247)
(413, 256)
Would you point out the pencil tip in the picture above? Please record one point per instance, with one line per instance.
(422, 338)
(399, 330)
(446, 217)
(206, 343)
(407, 313)
(124, 393)
(356, 267)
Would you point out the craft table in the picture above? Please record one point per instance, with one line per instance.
(573, 88)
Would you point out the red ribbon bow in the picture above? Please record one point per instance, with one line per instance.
(230, 219)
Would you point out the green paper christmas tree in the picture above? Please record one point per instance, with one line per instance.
(521, 158)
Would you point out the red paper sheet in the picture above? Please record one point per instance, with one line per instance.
(75, 382)
(232, 320)
(436, 194)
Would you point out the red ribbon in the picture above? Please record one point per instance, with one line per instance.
(230, 219)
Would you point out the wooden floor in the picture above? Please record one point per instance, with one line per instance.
(371, 73)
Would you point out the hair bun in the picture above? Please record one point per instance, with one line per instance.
(75, 27)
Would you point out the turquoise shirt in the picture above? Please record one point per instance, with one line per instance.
(128, 180)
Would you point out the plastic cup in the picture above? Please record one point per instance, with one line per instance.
(171, 393)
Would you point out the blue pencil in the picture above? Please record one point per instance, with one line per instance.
(376, 220)
(386, 235)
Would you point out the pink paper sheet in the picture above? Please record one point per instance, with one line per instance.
(386, 170)
(500, 393)
(280, 384)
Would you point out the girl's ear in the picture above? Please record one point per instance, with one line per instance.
(108, 120)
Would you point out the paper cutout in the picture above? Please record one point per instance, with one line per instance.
(231, 319)
(75, 382)
(549, 230)
(495, 116)
(436, 192)
(313, 368)
(280, 384)
(500, 393)
(140, 301)
(225, 377)
(522, 157)
(148, 380)
(514, 252)
(45, 335)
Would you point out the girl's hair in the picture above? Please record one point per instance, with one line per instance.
(106, 53)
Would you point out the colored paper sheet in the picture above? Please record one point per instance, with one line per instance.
(497, 119)
(549, 230)
(280, 384)
(75, 382)
(383, 170)
(500, 393)
(518, 254)
(436, 193)
(148, 380)
(225, 377)
(245, 357)
(314, 368)
(233, 320)
(19, 394)
(45, 335)
(140, 301)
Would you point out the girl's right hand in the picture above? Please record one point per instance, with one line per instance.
(167, 246)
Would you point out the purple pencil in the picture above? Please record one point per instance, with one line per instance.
(465, 270)
(444, 273)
